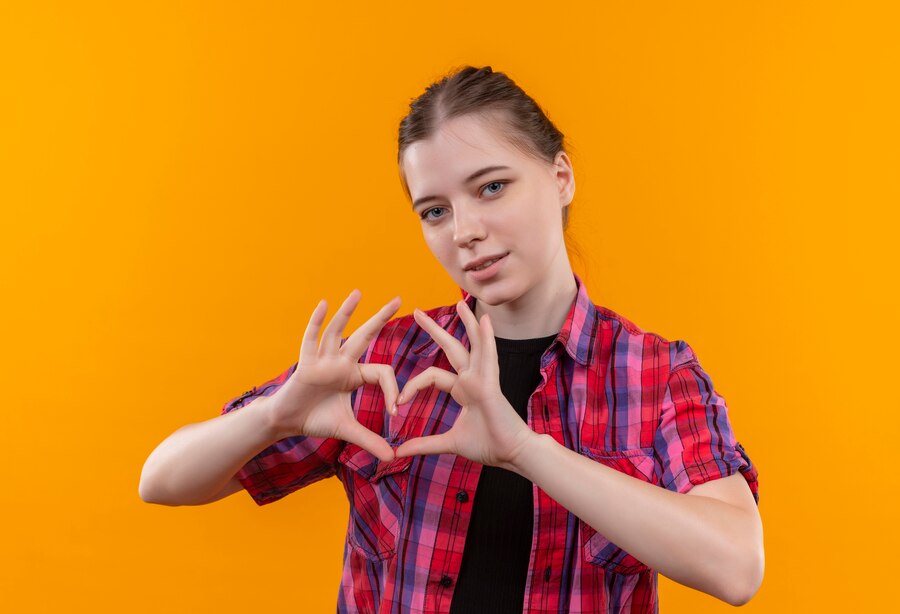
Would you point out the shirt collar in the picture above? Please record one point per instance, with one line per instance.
(576, 335)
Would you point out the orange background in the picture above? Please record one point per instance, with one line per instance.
(181, 183)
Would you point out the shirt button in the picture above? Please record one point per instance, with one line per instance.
(462, 496)
(547, 575)
(446, 581)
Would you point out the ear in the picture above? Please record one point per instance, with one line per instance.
(565, 178)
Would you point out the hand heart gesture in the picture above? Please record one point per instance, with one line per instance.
(487, 430)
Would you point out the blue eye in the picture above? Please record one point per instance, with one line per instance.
(497, 183)
(426, 212)
(499, 188)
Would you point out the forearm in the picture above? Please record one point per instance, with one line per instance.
(698, 541)
(196, 461)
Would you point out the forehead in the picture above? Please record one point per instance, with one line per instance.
(458, 148)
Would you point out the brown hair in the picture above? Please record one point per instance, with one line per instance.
(483, 92)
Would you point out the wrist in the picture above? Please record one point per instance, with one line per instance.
(528, 450)
(263, 409)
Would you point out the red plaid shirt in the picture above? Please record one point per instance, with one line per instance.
(627, 398)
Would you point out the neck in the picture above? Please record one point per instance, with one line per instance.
(538, 313)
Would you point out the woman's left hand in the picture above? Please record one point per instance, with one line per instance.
(487, 430)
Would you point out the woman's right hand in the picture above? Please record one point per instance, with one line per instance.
(315, 400)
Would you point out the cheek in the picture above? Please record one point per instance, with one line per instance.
(437, 244)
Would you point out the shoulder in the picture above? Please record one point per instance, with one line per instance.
(623, 335)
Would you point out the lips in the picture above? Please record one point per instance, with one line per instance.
(479, 261)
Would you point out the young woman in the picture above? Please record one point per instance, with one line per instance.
(524, 450)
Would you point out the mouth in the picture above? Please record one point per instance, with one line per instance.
(488, 269)
(486, 263)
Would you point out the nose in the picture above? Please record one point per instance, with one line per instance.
(467, 225)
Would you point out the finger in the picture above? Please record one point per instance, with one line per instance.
(331, 338)
(455, 351)
(473, 331)
(311, 334)
(375, 444)
(357, 343)
(491, 362)
(383, 375)
(432, 376)
(430, 444)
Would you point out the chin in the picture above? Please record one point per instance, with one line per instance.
(496, 293)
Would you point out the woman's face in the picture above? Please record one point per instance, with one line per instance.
(469, 212)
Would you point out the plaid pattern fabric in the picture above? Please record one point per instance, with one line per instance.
(626, 398)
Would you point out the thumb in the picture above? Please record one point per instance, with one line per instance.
(430, 444)
(373, 443)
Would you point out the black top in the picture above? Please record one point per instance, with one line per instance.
(498, 543)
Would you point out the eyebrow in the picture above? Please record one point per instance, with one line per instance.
(469, 179)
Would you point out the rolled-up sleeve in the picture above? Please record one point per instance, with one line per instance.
(290, 463)
(694, 442)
